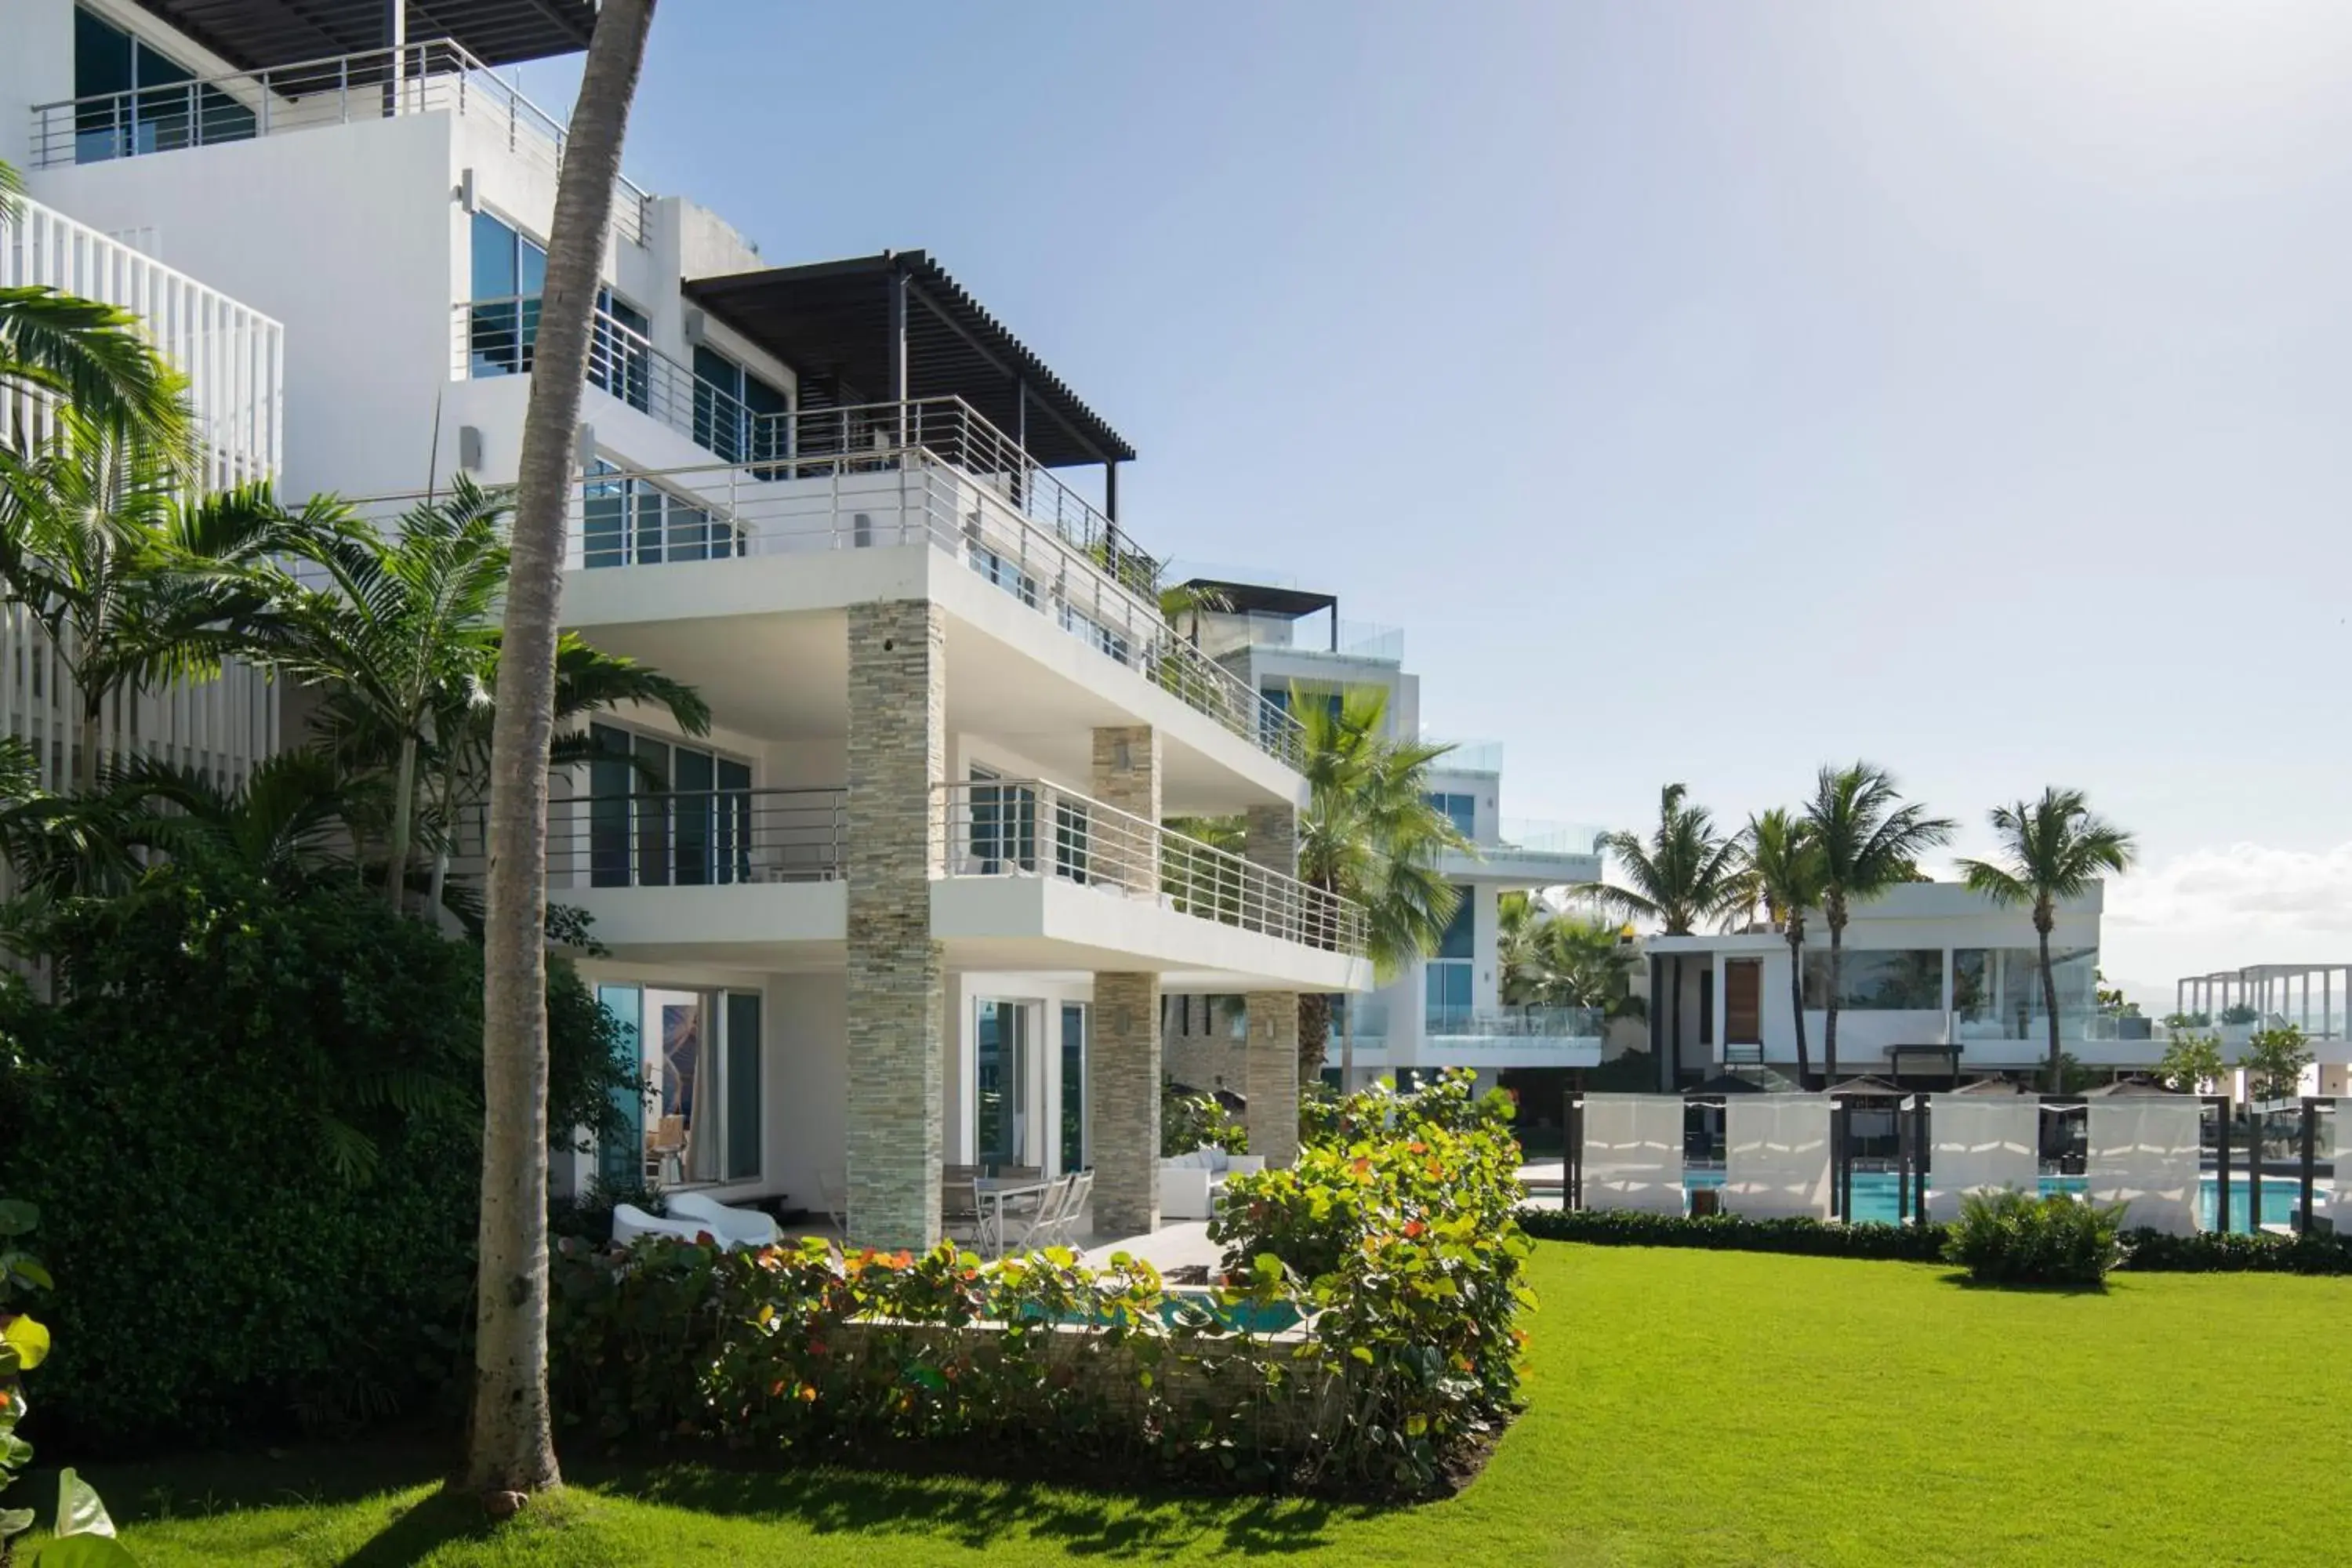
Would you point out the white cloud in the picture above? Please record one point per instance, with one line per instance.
(2242, 886)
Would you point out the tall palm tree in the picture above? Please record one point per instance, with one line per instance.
(2052, 849)
(1684, 873)
(1869, 841)
(59, 349)
(1786, 876)
(512, 1442)
(1370, 835)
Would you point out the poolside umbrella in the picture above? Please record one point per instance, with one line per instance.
(1990, 1086)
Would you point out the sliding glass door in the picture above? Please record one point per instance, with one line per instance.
(697, 1054)
(1002, 1097)
(661, 814)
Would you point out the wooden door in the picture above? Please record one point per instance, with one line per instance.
(1743, 996)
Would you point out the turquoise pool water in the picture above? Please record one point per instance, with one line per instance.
(1874, 1196)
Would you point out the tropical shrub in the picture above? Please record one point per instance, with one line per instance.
(1190, 1121)
(588, 1213)
(1401, 1228)
(1731, 1233)
(83, 1534)
(2009, 1238)
(255, 1111)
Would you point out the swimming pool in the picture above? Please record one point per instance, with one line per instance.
(1875, 1196)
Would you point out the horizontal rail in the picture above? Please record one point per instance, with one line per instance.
(336, 90)
(814, 497)
(1027, 828)
(677, 838)
(1518, 1023)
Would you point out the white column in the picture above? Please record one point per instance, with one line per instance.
(1722, 969)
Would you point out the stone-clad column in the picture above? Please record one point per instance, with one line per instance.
(1270, 1063)
(1127, 1005)
(1127, 775)
(897, 1008)
(1126, 1073)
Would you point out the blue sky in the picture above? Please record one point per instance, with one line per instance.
(1710, 392)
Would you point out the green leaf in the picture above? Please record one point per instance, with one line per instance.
(79, 1512)
(17, 1216)
(15, 1521)
(29, 1340)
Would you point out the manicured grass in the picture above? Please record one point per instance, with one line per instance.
(1687, 1407)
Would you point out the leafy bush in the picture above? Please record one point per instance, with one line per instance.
(2009, 1238)
(587, 1215)
(1731, 1233)
(2224, 1252)
(251, 1120)
(2145, 1251)
(1401, 1226)
(1190, 1121)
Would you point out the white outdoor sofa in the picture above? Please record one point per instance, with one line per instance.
(691, 1216)
(1190, 1184)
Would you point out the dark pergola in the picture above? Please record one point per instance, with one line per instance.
(1261, 599)
(256, 35)
(897, 327)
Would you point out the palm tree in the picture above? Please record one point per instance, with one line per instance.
(1785, 872)
(2052, 849)
(512, 1442)
(64, 350)
(1370, 835)
(405, 619)
(1684, 873)
(132, 582)
(1868, 843)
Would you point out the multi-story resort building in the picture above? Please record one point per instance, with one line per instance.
(911, 901)
(1444, 1011)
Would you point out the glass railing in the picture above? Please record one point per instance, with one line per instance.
(1466, 756)
(1543, 837)
(1517, 1023)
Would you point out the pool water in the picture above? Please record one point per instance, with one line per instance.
(1875, 1197)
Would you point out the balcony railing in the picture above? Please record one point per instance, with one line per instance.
(1517, 1023)
(1024, 828)
(897, 474)
(686, 839)
(374, 84)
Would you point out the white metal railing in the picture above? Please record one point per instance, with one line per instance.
(1517, 1023)
(680, 838)
(1026, 828)
(372, 84)
(843, 481)
(498, 336)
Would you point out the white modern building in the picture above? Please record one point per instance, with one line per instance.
(2232, 1004)
(1935, 982)
(911, 902)
(1444, 1011)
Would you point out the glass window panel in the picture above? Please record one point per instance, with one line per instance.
(494, 258)
(621, 1159)
(1074, 1088)
(652, 533)
(743, 1084)
(1878, 980)
(603, 524)
(691, 824)
(532, 271)
(732, 824)
(681, 1085)
(994, 1072)
(1460, 939)
(101, 57)
(652, 785)
(608, 809)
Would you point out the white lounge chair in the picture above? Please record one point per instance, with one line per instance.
(630, 1223)
(736, 1228)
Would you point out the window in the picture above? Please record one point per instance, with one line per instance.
(736, 413)
(620, 356)
(699, 1055)
(1461, 937)
(1876, 980)
(626, 522)
(1997, 991)
(1002, 1071)
(1074, 1088)
(145, 101)
(1462, 810)
(661, 814)
(1003, 825)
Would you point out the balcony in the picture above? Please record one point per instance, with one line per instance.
(374, 84)
(1038, 831)
(696, 838)
(928, 472)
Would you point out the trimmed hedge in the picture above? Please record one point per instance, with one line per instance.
(2148, 1251)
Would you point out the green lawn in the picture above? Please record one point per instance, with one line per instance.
(1687, 1407)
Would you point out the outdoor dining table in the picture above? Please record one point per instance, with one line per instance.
(996, 1195)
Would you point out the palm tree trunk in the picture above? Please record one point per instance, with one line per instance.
(2042, 923)
(1797, 1006)
(1830, 1007)
(403, 807)
(511, 1443)
(1314, 1030)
